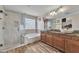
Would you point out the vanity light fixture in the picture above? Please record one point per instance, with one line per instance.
(56, 11)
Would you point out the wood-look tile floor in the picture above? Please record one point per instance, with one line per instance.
(37, 47)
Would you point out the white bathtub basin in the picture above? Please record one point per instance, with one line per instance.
(32, 37)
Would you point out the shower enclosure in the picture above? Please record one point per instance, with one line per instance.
(10, 33)
(14, 28)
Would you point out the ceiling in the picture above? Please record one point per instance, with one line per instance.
(34, 10)
(67, 10)
(43, 10)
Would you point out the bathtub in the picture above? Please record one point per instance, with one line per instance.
(32, 37)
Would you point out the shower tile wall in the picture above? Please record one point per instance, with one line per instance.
(12, 33)
(1, 27)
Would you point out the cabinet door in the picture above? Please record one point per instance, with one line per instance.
(49, 39)
(67, 46)
(59, 42)
(74, 46)
(66, 42)
(53, 39)
(43, 37)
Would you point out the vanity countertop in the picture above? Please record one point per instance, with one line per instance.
(70, 34)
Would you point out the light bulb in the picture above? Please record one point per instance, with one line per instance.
(61, 10)
(51, 13)
(54, 13)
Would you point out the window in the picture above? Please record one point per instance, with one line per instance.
(29, 23)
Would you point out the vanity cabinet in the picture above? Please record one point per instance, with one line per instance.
(63, 42)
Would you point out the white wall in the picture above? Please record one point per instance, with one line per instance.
(12, 23)
(40, 24)
(75, 22)
(74, 18)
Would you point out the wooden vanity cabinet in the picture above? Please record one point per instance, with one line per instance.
(65, 43)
